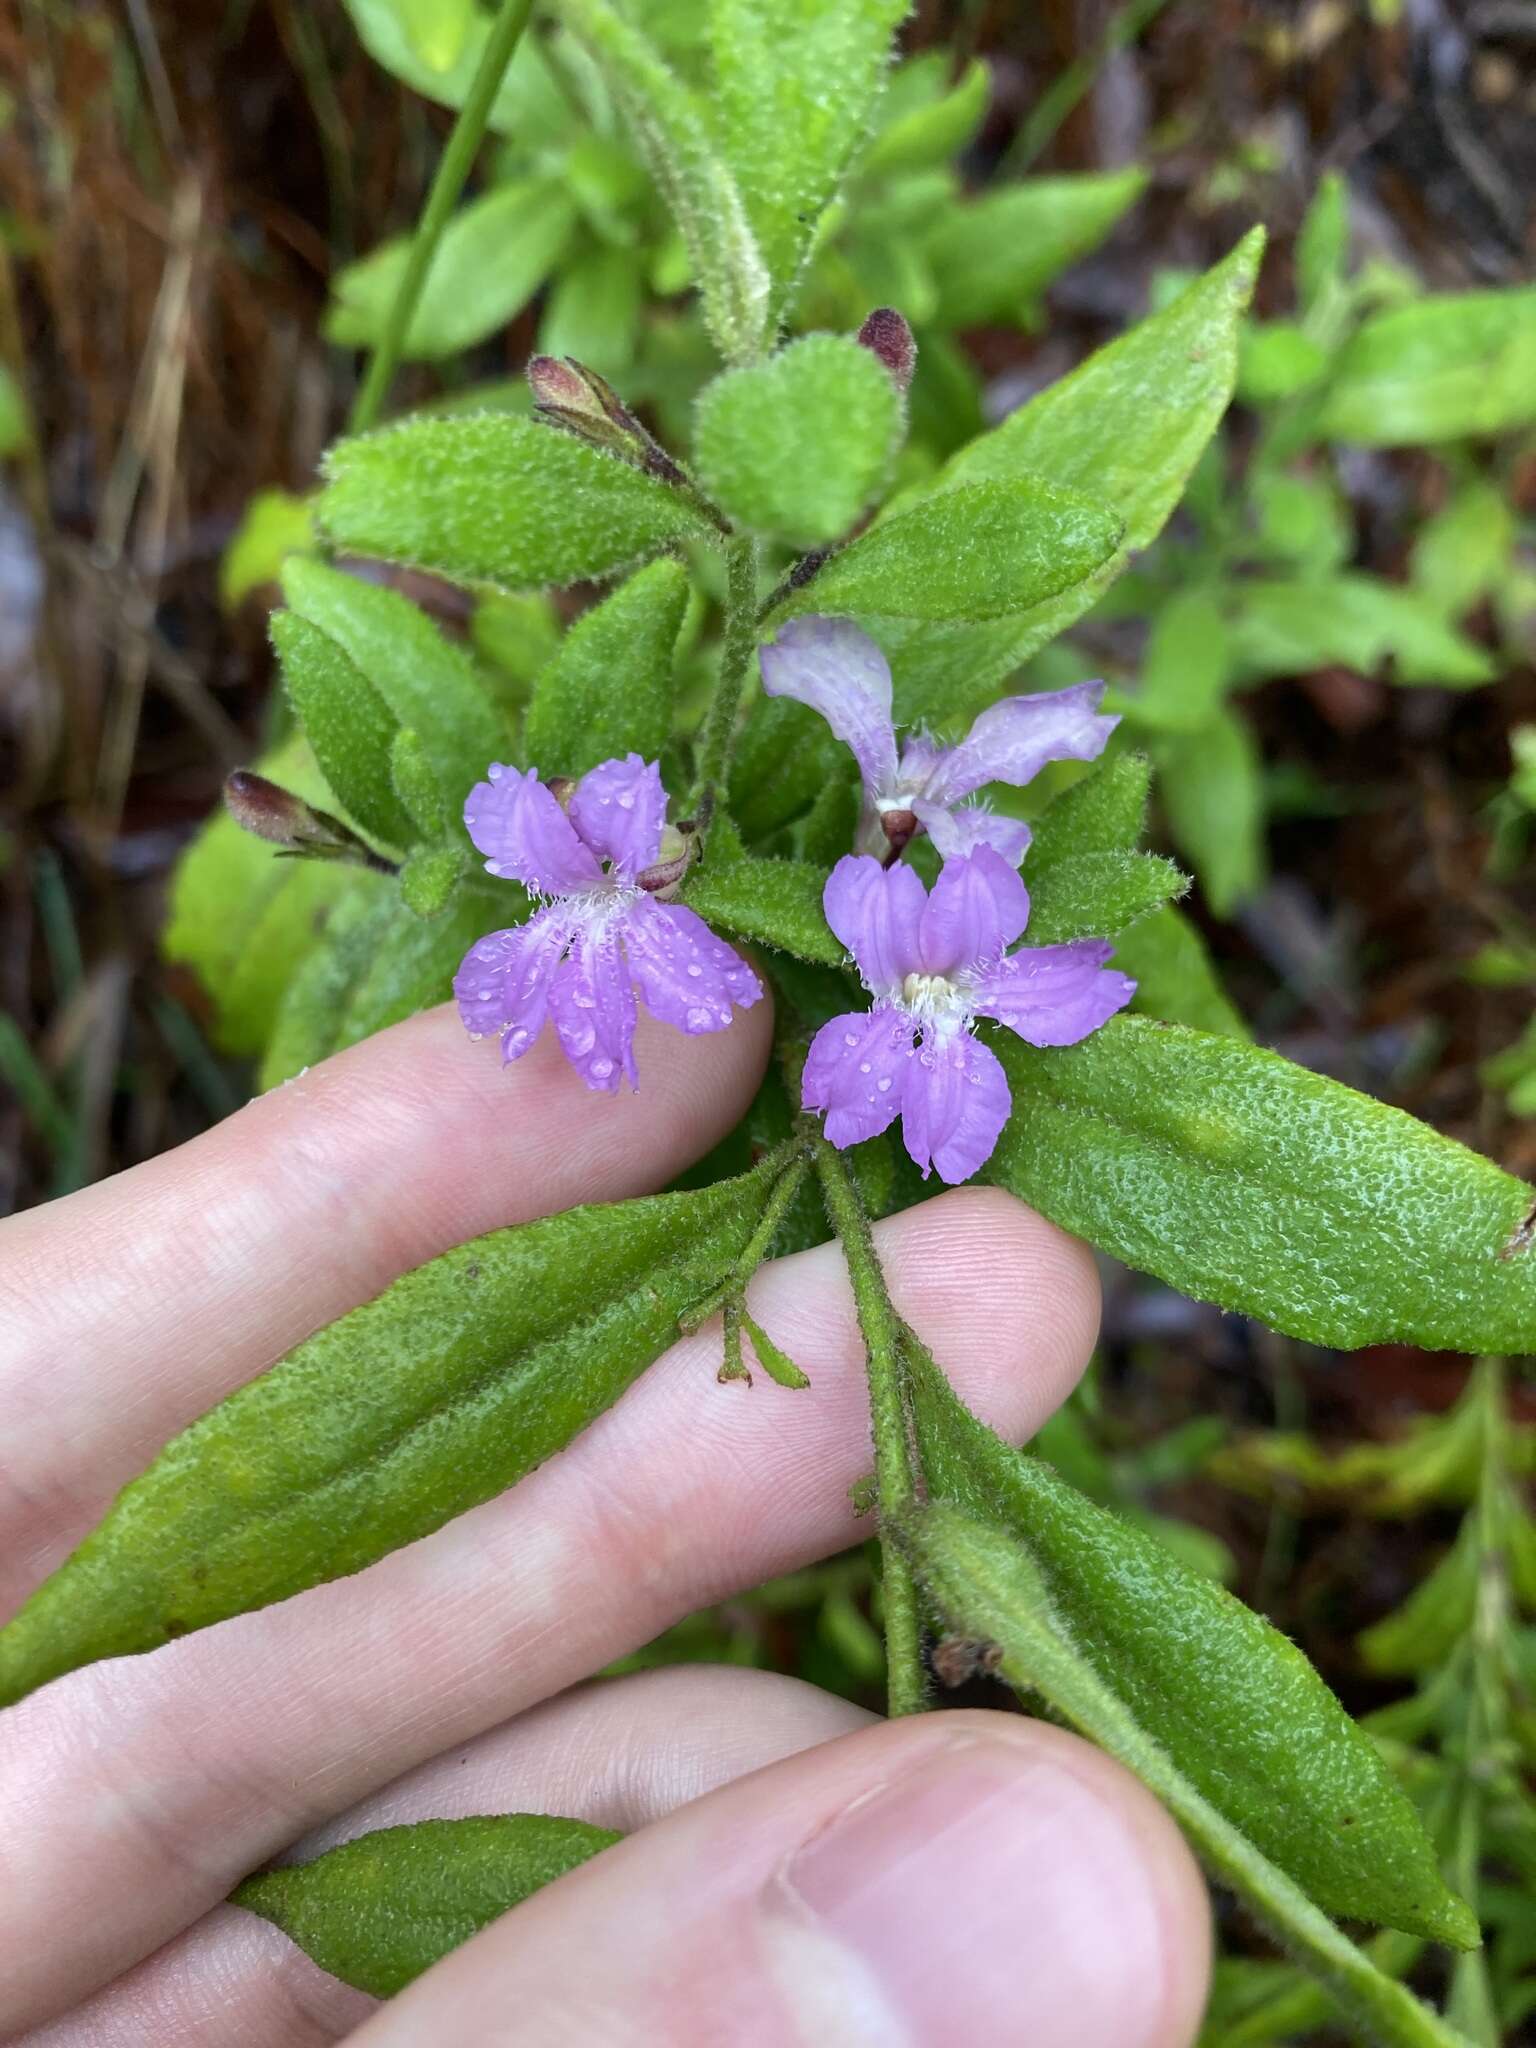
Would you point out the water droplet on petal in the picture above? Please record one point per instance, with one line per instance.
(884, 1084)
(495, 771)
(863, 1066)
(694, 970)
(601, 1069)
(697, 1020)
(850, 1038)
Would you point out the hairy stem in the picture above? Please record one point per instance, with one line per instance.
(719, 734)
(895, 1475)
(463, 144)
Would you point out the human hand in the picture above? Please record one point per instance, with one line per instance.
(796, 1871)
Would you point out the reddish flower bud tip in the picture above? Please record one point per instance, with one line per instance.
(266, 809)
(559, 384)
(886, 334)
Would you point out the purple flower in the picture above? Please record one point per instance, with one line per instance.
(934, 963)
(840, 672)
(601, 937)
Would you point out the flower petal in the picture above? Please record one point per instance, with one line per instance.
(955, 1103)
(687, 976)
(840, 672)
(1012, 741)
(856, 1070)
(967, 826)
(503, 980)
(975, 910)
(522, 831)
(619, 809)
(1052, 995)
(593, 1005)
(876, 913)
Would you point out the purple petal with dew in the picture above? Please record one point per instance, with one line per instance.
(962, 830)
(1012, 741)
(502, 985)
(856, 1071)
(876, 913)
(593, 1005)
(976, 909)
(840, 672)
(687, 977)
(522, 831)
(956, 1103)
(1052, 995)
(619, 809)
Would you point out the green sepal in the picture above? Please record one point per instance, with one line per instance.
(778, 1365)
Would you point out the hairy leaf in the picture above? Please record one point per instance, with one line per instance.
(1103, 812)
(1436, 370)
(429, 682)
(795, 83)
(493, 500)
(978, 551)
(435, 1396)
(775, 902)
(609, 688)
(494, 255)
(308, 1014)
(1096, 895)
(995, 255)
(1176, 979)
(379, 1910)
(798, 446)
(347, 723)
(1242, 1179)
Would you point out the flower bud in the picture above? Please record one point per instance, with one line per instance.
(298, 828)
(886, 334)
(567, 394)
(676, 854)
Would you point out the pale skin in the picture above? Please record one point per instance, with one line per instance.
(795, 1871)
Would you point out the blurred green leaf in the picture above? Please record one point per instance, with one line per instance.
(1301, 519)
(1210, 783)
(975, 551)
(493, 256)
(427, 680)
(923, 119)
(437, 1395)
(1175, 977)
(1277, 359)
(593, 311)
(1290, 627)
(347, 723)
(1438, 369)
(609, 688)
(798, 446)
(274, 525)
(490, 500)
(786, 756)
(382, 1908)
(306, 1015)
(795, 83)
(528, 105)
(995, 255)
(1435, 1617)
(1465, 550)
(1184, 671)
(1242, 1179)
(1322, 246)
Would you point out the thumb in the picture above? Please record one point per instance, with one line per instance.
(963, 1877)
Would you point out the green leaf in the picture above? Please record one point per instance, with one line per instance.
(415, 962)
(1096, 895)
(1212, 791)
(319, 981)
(593, 311)
(1290, 627)
(429, 877)
(1277, 360)
(244, 920)
(1184, 672)
(1323, 243)
(795, 84)
(1236, 1708)
(437, 1395)
(416, 785)
(1464, 552)
(672, 128)
(15, 419)
(1437, 1615)
(429, 682)
(491, 500)
(1128, 427)
(786, 756)
(1436, 370)
(775, 902)
(922, 120)
(1241, 1179)
(493, 256)
(528, 105)
(1103, 812)
(798, 446)
(274, 525)
(1301, 519)
(609, 688)
(1176, 979)
(379, 1910)
(347, 723)
(977, 551)
(995, 255)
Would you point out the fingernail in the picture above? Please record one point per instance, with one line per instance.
(990, 1894)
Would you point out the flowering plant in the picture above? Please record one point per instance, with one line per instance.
(776, 612)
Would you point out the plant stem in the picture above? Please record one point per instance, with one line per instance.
(895, 1479)
(719, 734)
(463, 144)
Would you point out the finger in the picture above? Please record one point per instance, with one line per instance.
(619, 1754)
(132, 1307)
(142, 1789)
(968, 1877)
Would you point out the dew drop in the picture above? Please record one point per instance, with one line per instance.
(694, 970)
(697, 1020)
(884, 1084)
(495, 771)
(863, 1066)
(850, 1038)
(580, 1039)
(601, 1069)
